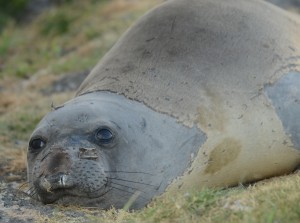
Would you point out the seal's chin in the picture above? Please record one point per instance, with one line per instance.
(51, 197)
(63, 189)
(62, 196)
(70, 196)
(82, 201)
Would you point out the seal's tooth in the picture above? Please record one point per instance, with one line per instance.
(62, 180)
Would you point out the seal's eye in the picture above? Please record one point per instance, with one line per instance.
(37, 144)
(104, 136)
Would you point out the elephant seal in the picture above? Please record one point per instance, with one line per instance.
(197, 93)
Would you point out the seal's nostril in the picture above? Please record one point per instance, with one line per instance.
(88, 153)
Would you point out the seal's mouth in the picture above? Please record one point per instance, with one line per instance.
(63, 196)
(51, 188)
(53, 196)
(63, 187)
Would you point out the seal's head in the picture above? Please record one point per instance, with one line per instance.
(101, 149)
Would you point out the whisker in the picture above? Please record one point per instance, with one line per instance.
(33, 193)
(101, 194)
(23, 185)
(22, 192)
(29, 190)
(133, 188)
(129, 192)
(120, 195)
(132, 172)
(109, 190)
(131, 181)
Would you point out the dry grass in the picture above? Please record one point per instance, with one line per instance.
(273, 200)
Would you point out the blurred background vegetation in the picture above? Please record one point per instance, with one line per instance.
(12, 9)
(16, 10)
(35, 35)
(43, 42)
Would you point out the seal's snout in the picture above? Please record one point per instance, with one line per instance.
(56, 181)
(68, 172)
(54, 178)
(51, 187)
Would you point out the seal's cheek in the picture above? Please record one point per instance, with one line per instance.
(91, 177)
(285, 97)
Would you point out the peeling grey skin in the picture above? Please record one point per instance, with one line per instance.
(75, 168)
(285, 96)
(197, 93)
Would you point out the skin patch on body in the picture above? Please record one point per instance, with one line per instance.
(285, 97)
(213, 115)
(222, 155)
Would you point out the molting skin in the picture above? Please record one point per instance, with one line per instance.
(196, 94)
